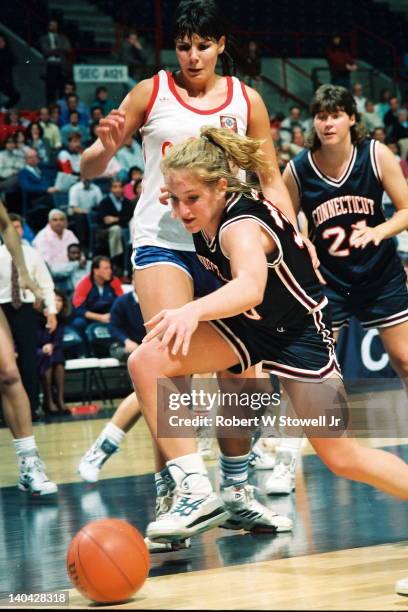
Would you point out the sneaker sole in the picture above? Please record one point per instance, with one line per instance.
(161, 533)
(22, 487)
(280, 491)
(163, 547)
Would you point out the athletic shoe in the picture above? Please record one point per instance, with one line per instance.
(401, 587)
(93, 460)
(205, 447)
(260, 459)
(249, 514)
(282, 479)
(194, 509)
(33, 477)
(162, 547)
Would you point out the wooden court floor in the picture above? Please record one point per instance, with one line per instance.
(348, 547)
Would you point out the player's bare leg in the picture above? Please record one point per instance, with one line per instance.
(17, 414)
(395, 340)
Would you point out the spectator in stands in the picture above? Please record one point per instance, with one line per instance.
(391, 116)
(15, 123)
(380, 135)
(359, 98)
(50, 358)
(50, 130)
(95, 295)
(11, 162)
(383, 105)
(36, 140)
(69, 159)
(277, 141)
(102, 100)
(83, 197)
(55, 114)
(126, 323)
(394, 146)
(295, 146)
(55, 48)
(74, 127)
(252, 67)
(135, 178)
(72, 104)
(341, 62)
(7, 63)
(96, 115)
(62, 103)
(395, 121)
(287, 125)
(37, 189)
(21, 143)
(370, 118)
(73, 271)
(53, 240)
(114, 214)
(21, 315)
(132, 54)
(130, 154)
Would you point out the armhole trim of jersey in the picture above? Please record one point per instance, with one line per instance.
(374, 161)
(270, 231)
(295, 177)
(247, 100)
(155, 91)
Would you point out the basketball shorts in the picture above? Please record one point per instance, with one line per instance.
(374, 306)
(205, 282)
(305, 351)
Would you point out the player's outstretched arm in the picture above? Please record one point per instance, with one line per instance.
(115, 128)
(244, 244)
(396, 186)
(13, 244)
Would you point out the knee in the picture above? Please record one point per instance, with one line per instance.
(144, 364)
(9, 376)
(400, 362)
(344, 461)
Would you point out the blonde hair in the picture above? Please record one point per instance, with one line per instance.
(217, 154)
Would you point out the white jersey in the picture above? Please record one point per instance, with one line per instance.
(169, 121)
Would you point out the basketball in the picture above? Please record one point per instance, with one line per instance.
(108, 561)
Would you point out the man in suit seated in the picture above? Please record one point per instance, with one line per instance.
(37, 191)
(114, 214)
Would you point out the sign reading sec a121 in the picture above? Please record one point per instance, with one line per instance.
(89, 73)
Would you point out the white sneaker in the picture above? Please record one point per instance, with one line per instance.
(195, 508)
(249, 514)
(401, 587)
(260, 459)
(93, 460)
(33, 477)
(163, 505)
(282, 479)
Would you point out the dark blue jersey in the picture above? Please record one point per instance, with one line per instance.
(292, 291)
(333, 206)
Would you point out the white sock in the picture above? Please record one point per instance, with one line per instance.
(193, 466)
(25, 446)
(114, 433)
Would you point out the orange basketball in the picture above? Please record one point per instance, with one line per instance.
(108, 561)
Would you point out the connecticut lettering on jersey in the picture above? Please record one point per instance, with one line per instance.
(345, 205)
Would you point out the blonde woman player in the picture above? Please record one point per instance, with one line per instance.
(269, 309)
(167, 109)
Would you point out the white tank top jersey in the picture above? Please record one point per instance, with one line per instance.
(169, 121)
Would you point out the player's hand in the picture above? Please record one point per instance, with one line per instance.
(51, 322)
(26, 283)
(48, 349)
(164, 196)
(177, 324)
(111, 130)
(364, 235)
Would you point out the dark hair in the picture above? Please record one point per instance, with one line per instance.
(16, 217)
(99, 89)
(72, 95)
(96, 107)
(116, 179)
(96, 262)
(330, 99)
(65, 311)
(74, 112)
(74, 136)
(72, 83)
(132, 169)
(39, 128)
(73, 244)
(203, 17)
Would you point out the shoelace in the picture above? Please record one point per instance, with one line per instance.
(34, 464)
